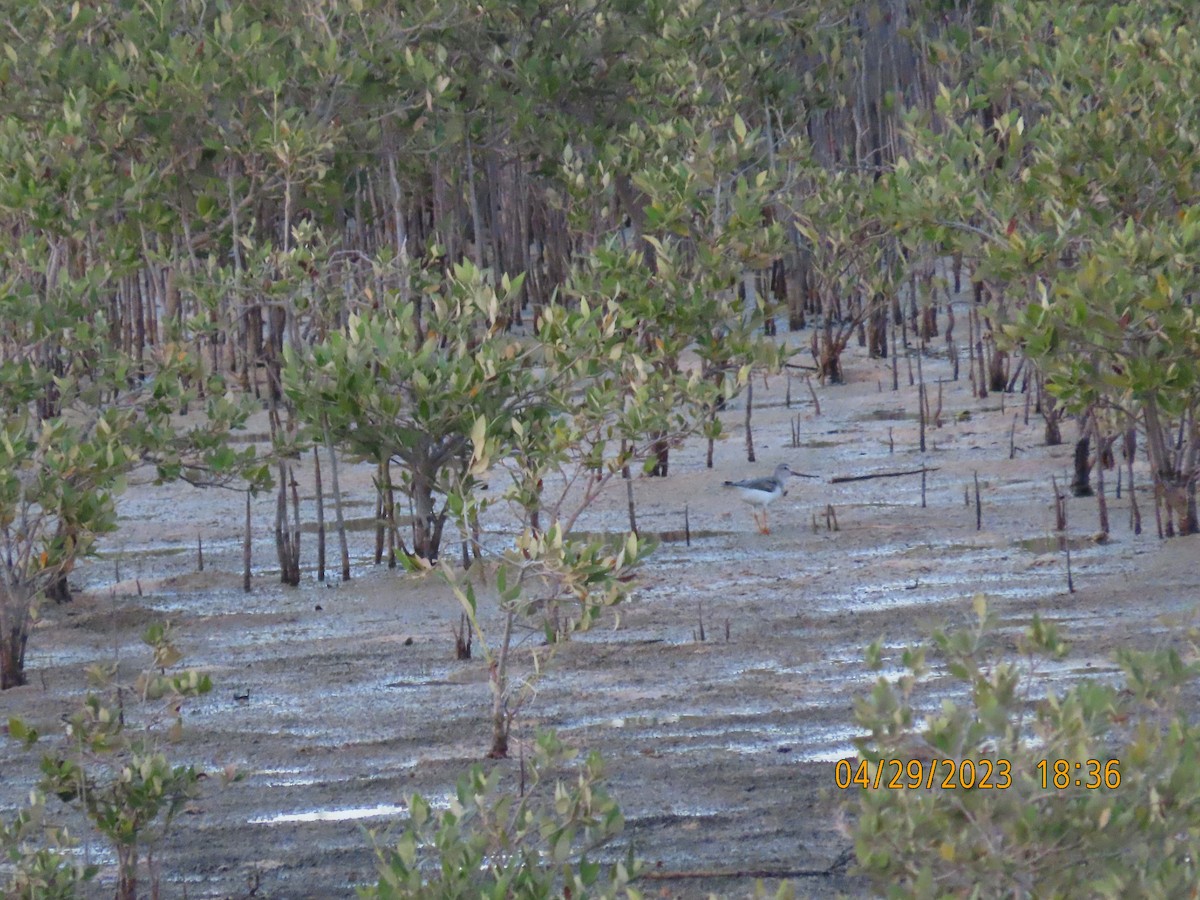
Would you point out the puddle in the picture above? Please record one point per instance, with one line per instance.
(332, 815)
(52, 657)
(1071, 672)
(937, 551)
(414, 685)
(831, 743)
(680, 812)
(648, 721)
(294, 781)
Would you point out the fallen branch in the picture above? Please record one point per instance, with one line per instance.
(666, 875)
(835, 867)
(844, 478)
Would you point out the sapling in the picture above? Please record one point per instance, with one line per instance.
(117, 771)
(566, 584)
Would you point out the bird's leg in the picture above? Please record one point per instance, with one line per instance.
(764, 528)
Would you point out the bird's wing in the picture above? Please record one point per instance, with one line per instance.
(756, 484)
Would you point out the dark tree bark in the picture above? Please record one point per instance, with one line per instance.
(662, 458)
(12, 655)
(320, 514)
(427, 523)
(338, 512)
(1081, 485)
(58, 590)
(877, 329)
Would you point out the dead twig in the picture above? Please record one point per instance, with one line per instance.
(667, 875)
(842, 479)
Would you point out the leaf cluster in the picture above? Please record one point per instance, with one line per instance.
(492, 842)
(1062, 164)
(966, 697)
(117, 773)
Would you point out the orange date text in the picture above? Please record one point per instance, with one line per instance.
(912, 774)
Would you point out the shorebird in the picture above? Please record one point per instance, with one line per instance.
(761, 492)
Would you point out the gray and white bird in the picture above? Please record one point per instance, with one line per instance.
(762, 492)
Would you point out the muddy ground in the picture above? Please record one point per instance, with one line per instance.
(337, 701)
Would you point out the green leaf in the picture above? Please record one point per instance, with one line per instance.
(22, 732)
(739, 128)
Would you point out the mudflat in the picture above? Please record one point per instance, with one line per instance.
(720, 697)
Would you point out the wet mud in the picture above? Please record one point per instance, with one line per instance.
(338, 701)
